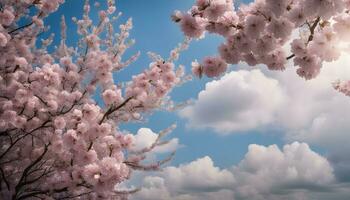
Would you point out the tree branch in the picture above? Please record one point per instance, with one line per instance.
(112, 109)
(311, 36)
(22, 181)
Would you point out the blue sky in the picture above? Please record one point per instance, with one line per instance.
(154, 31)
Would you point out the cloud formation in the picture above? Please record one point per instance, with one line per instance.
(309, 111)
(239, 101)
(271, 173)
(145, 137)
(265, 173)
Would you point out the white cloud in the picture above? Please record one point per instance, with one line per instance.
(315, 113)
(246, 100)
(265, 173)
(309, 111)
(239, 101)
(145, 137)
(271, 173)
(198, 175)
(199, 179)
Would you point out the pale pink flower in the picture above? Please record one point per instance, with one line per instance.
(86, 157)
(192, 26)
(92, 173)
(254, 26)
(197, 69)
(169, 77)
(230, 55)
(53, 105)
(297, 15)
(310, 66)
(265, 45)
(166, 67)
(70, 138)
(299, 47)
(90, 111)
(60, 123)
(109, 167)
(104, 129)
(109, 96)
(82, 127)
(21, 62)
(6, 17)
(216, 9)
(19, 122)
(280, 28)
(342, 27)
(277, 7)
(3, 40)
(214, 66)
(276, 60)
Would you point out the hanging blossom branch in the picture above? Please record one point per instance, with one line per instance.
(258, 32)
(56, 141)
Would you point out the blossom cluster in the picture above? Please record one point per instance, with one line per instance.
(258, 33)
(56, 141)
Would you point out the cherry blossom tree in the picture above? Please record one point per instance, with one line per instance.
(315, 31)
(56, 142)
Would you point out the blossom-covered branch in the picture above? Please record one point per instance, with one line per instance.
(258, 33)
(56, 141)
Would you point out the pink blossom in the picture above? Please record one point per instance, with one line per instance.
(192, 26)
(48, 102)
(309, 66)
(197, 69)
(109, 97)
(214, 66)
(3, 40)
(90, 111)
(277, 8)
(215, 9)
(342, 27)
(276, 60)
(254, 26)
(230, 55)
(166, 67)
(6, 17)
(70, 138)
(104, 129)
(92, 173)
(60, 123)
(82, 127)
(299, 47)
(21, 62)
(297, 15)
(280, 28)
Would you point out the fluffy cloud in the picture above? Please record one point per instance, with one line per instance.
(145, 137)
(194, 180)
(199, 175)
(310, 111)
(246, 100)
(271, 173)
(238, 101)
(315, 113)
(265, 173)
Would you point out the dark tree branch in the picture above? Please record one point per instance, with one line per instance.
(4, 178)
(26, 171)
(311, 36)
(112, 109)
